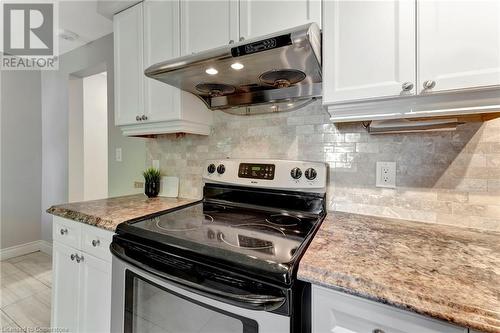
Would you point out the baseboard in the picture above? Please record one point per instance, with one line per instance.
(22, 249)
(46, 247)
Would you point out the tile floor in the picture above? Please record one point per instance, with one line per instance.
(25, 292)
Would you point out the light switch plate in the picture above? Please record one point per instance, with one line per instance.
(386, 174)
(156, 164)
(118, 154)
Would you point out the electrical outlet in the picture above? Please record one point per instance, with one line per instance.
(156, 164)
(118, 154)
(386, 174)
(138, 185)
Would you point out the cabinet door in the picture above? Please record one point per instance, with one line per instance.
(95, 295)
(337, 312)
(207, 24)
(65, 281)
(368, 50)
(129, 72)
(259, 18)
(161, 42)
(458, 44)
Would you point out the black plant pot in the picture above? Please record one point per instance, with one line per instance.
(151, 189)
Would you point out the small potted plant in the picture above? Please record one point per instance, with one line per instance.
(152, 178)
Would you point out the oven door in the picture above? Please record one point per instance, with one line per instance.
(143, 302)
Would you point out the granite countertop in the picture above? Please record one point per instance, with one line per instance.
(445, 272)
(108, 213)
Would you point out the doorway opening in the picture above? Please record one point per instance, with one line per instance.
(88, 136)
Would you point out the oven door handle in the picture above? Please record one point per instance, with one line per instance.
(249, 301)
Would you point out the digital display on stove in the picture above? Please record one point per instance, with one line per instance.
(256, 171)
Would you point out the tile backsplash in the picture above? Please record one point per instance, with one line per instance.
(442, 177)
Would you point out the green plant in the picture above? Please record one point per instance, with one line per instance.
(152, 175)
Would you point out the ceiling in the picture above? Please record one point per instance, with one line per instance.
(81, 18)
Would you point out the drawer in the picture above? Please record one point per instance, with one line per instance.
(66, 231)
(96, 241)
(334, 311)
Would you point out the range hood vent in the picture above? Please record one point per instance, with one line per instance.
(277, 72)
(412, 125)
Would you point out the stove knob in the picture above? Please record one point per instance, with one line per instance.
(211, 168)
(211, 234)
(310, 174)
(296, 173)
(221, 169)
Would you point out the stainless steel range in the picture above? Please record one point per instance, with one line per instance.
(228, 262)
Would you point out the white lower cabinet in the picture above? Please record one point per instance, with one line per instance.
(65, 281)
(338, 312)
(81, 287)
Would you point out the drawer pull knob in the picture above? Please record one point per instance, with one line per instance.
(407, 86)
(378, 330)
(64, 231)
(79, 258)
(96, 242)
(429, 84)
(72, 256)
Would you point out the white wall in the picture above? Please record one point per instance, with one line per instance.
(95, 137)
(121, 175)
(75, 139)
(21, 157)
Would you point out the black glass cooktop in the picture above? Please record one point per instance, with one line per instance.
(252, 232)
(260, 239)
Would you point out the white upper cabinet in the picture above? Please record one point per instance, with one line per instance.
(258, 18)
(146, 106)
(161, 42)
(207, 24)
(458, 44)
(129, 72)
(368, 50)
(410, 59)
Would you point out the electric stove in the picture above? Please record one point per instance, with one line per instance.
(244, 238)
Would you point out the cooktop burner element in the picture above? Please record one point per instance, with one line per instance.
(182, 224)
(283, 220)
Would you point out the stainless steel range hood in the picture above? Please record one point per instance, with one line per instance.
(277, 72)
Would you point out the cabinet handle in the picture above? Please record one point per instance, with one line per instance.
(138, 118)
(96, 242)
(144, 117)
(78, 258)
(231, 41)
(242, 38)
(72, 256)
(378, 330)
(429, 84)
(63, 231)
(407, 86)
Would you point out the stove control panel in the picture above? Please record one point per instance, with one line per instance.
(277, 174)
(256, 171)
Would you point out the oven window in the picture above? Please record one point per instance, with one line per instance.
(152, 308)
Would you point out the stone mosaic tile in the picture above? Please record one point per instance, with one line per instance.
(439, 168)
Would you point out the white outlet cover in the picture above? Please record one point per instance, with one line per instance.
(156, 164)
(386, 174)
